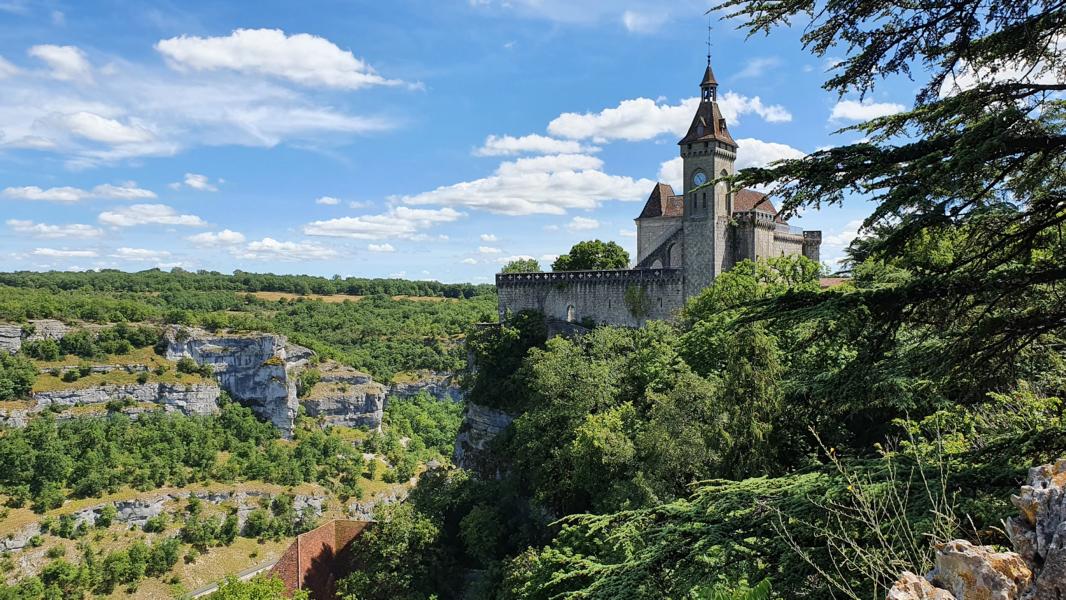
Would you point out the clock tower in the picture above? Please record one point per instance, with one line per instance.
(708, 152)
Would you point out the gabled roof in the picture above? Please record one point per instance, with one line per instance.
(745, 200)
(708, 125)
(663, 203)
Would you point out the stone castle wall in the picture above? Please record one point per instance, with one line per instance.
(619, 297)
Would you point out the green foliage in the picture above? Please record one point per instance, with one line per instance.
(17, 375)
(393, 559)
(429, 424)
(42, 349)
(592, 255)
(522, 265)
(307, 380)
(257, 588)
(498, 353)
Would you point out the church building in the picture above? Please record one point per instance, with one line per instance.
(684, 240)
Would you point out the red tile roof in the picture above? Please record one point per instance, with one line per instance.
(663, 203)
(745, 200)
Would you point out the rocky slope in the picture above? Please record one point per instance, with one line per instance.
(440, 385)
(256, 369)
(13, 335)
(189, 399)
(1034, 571)
(344, 396)
(480, 426)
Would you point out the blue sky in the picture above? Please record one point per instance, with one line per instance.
(417, 139)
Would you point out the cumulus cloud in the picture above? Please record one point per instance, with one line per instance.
(301, 58)
(643, 21)
(96, 128)
(488, 250)
(582, 224)
(140, 254)
(469, 261)
(327, 201)
(503, 260)
(380, 248)
(967, 76)
(196, 181)
(488, 237)
(148, 214)
(538, 185)
(125, 191)
(398, 222)
(63, 253)
(44, 230)
(751, 153)
(507, 145)
(271, 249)
(855, 110)
(211, 239)
(67, 63)
(644, 119)
(673, 173)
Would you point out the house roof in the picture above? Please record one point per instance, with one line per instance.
(663, 203)
(745, 200)
(708, 124)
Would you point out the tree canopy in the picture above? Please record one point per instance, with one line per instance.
(592, 255)
(522, 265)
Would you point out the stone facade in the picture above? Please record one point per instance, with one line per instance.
(621, 297)
(683, 241)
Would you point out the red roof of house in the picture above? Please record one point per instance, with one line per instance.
(663, 203)
(745, 200)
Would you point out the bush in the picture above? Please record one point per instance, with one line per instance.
(187, 365)
(42, 349)
(70, 376)
(106, 516)
(17, 375)
(142, 377)
(79, 343)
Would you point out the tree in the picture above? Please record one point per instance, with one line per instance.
(393, 559)
(522, 265)
(17, 375)
(969, 184)
(592, 255)
(258, 588)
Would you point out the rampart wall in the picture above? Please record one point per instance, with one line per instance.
(627, 297)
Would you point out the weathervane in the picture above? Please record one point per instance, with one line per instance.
(708, 13)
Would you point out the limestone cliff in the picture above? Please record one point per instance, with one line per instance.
(480, 427)
(440, 385)
(256, 369)
(1037, 568)
(344, 396)
(12, 335)
(189, 399)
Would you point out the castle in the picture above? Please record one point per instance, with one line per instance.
(683, 241)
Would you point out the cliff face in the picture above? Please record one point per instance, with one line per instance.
(189, 399)
(480, 426)
(346, 397)
(256, 369)
(442, 386)
(12, 335)
(1037, 568)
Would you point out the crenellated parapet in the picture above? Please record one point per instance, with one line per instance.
(619, 275)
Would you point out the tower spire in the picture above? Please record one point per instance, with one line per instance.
(709, 85)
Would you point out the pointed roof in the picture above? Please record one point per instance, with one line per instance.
(662, 203)
(745, 200)
(708, 124)
(708, 77)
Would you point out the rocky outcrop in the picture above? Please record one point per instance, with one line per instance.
(363, 510)
(480, 426)
(20, 539)
(12, 335)
(14, 417)
(189, 399)
(1037, 568)
(442, 386)
(344, 396)
(256, 369)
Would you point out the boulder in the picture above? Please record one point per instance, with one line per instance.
(19, 539)
(12, 335)
(972, 572)
(914, 587)
(1039, 532)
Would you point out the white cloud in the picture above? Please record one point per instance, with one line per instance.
(126, 191)
(854, 110)
(148, 214)
(582, 224)
(97, 128)
(644, 119)
(56, 253)
(488, 250)
(756, 67)
(488, 237)
(271, 249)
(643, 22)
(507, 145)
(358, 204)
(673, 173)
(398, 222)
(212, 239)
(503, 260)
(7, 69)
(197, 182)
(469, 261)
(629, 233)
(67, 63)
(140, 254)
(327, 201)
(301, 58)
(44, 230)
(757, 153)
(843, 237)
(538, 185)
(380, 248)
(967, 77)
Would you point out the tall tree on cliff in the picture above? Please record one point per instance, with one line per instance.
(969, 184)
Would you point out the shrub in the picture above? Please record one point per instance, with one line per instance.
(142, 377)
(17, 375)
(42, 349)
(187, 365)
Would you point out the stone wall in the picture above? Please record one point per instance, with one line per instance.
(621, 297)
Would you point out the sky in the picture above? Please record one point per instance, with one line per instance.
(425, 140)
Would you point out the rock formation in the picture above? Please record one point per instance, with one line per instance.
(480, 426)
(256, 369)
(12, 335)
(1037, 568)
(189, 399)
(344, 396)
(442, 386)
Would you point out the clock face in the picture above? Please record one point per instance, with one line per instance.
(699, 178)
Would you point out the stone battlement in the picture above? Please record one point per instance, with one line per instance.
(620, 275)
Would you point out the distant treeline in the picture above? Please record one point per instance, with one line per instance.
(155, 280)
